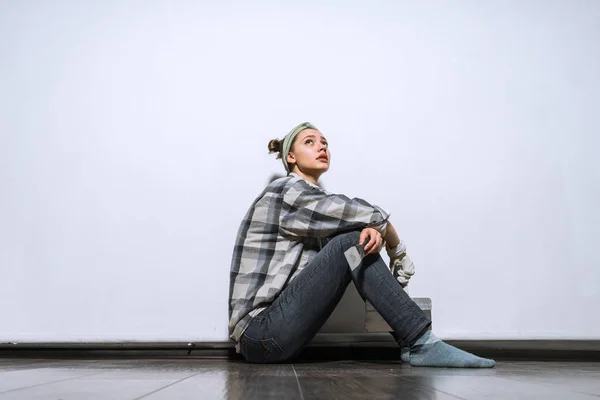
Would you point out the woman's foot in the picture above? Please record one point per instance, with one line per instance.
(429, 351)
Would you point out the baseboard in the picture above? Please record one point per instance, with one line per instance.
(373, 346)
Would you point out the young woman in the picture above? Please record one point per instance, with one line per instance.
(290, 265)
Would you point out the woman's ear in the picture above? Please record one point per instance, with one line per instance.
(290, 158)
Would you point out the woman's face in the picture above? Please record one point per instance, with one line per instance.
(310, 152)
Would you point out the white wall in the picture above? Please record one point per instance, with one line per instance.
(133, 138)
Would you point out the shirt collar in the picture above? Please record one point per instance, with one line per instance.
(310, 183)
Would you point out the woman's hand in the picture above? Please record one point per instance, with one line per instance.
(375, 240)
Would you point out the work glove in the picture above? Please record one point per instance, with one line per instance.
(401, 265)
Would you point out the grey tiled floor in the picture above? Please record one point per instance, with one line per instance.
(222, 379)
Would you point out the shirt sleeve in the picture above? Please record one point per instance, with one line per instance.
(310, 212)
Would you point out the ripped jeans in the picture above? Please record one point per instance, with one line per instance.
(284, 328)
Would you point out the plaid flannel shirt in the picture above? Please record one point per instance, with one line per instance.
(280, 234)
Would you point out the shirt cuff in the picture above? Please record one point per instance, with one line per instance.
(382, 227)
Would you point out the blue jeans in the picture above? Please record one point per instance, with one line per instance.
(288, 324)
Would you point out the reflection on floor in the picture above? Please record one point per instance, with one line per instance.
(225, 379)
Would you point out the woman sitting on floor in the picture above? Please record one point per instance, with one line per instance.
(290, 267)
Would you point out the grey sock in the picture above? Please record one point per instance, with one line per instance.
(405, 355)
(430, 351)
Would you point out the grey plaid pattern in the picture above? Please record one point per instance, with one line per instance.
(280, 234)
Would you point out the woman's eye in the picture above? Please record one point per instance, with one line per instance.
(308, 141)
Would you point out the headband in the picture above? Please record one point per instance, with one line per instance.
(289, 139)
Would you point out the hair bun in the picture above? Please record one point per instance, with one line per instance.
(275, 147)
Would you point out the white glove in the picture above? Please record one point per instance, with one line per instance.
(403, 269)
(397, 252)
(401, 265)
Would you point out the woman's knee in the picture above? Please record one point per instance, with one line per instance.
(345, 240)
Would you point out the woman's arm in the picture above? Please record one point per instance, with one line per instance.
(310, 212)
(391, 237)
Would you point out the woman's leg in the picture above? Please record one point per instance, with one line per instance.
(374, 280)
(294, 318)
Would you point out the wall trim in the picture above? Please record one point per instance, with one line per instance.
(359, 346)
